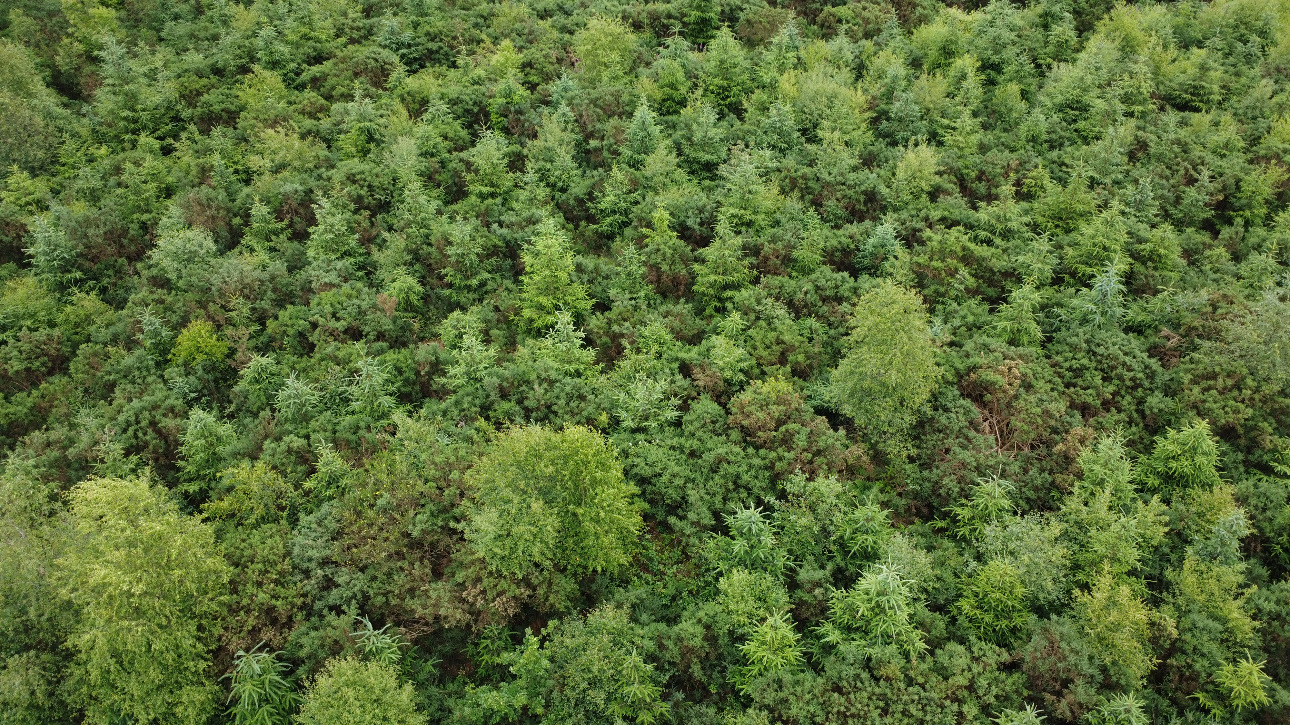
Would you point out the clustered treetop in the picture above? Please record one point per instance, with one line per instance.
(694, 362)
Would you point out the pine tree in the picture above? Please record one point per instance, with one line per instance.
(548, 284)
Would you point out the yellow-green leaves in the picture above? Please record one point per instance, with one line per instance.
(1119, 626)
(350, 691)
(891, 369)
(548, 285)
(774, 646)
(604, 49)
(146, 583)
(993, 603)
(197, 343)
(1245, 683)
(546, 500)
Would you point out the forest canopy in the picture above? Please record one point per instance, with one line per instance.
(707, 362)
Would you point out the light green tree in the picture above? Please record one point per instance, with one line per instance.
(206, 440)
(31, 120)
(604, 49)
(259, 693)
(543, 500)
(490, 175)
(1015, 319)
(378, 645)
(991, 500)
(723, 268)
(727, 75)
(350, 691)
(1122, 709)
(1099, 244)
(1244, 682)
(548, 285)
(589, 671)
(773, 647)
(264, 233)
(53, 256)
(993, 602)
(184, 256)
(552, 155)
(752, 544)
(333, 237)
(197, 343)
(643, 136)
(1032, 545)
(748, 597)
(1030, 715)
(1119, 626)
(915, 176)
(1183, 460)
(875, 614)
(891, 369)
(1106, 523)
(146, 583)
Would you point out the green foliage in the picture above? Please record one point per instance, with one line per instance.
(773, 647)
(726, 75)
(350, 691)
(1123, 709)
(146, 583)
(638, 695)
(52, 254)
(549, 285)
(915, 176)
(891, 369)
(642, 136)
(875, 615)
(1119, 627)
(259, 693)
(370, 389)
(378, 645)
(722, 270)
(604, 49)
(1033, 547)
(752, 543)
(1108, 525)
(1016, 319)
(777, 420)
(1208, 601)
(993, 602)
(546, 500)
(588, 670)
(24, 303)
(264, 233)
(1244, 682)
(1099, 246)
(854, 362)
(749, 597)
(185, 257)
(1028, 716)
(990, 501)
(1183, 460)
(701, 20)
(332, 238)
(206, 442)
(866, 531)
(490, 175)
(198, 343)
(296, 398)
(33, 116)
